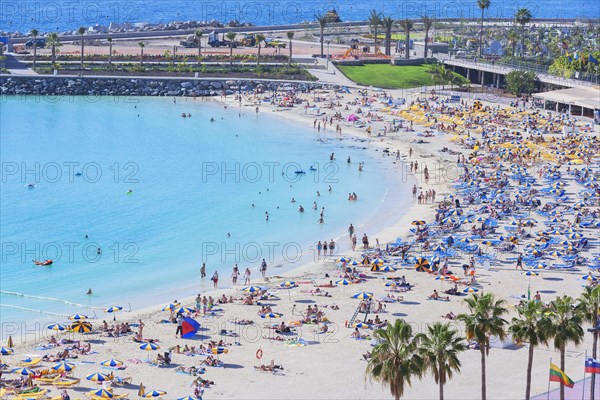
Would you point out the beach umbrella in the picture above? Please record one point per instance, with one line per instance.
(418, 222)
(361, 325)
(97, 377)
(78, 317)
(391, 284)
(171, 306)
(378, 262)
(189, 327)
(343, 259)
(288, 284)
(422, 264)
(375, 268)
(443, 278)
(23, 371)
(9, 342)
(81, 327)
(149, 346)
(589, 278)
(188, 398)
(113, 309)
(64, 367)
(540, 266)
(5, 351)
(141, 390)
(56, 327)
(111, 363)
(271, 315)
(470, 289)
(343, 282)
(219, 350)
(183, 310)
(252, 289)
(388, 268)
(487, 243)
(530, 273)
(354, 263)
(155, 393)
(363, 295)
(556, 253)
(103, 393)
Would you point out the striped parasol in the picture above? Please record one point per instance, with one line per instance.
(81, 327)
(363, 295)
(149, 346)
(78, 317)
(97, 377)
(111, 363)
(56, 327)
(64, 367)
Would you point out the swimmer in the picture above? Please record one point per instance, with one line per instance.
(329, 189)
(252, 204)
(314, 205)
(301, 209)
(349, 160)
(98, 250)
(318, 194)
(86, 237)
(331, 157)
(129, 192)
(321, 220)
(212, 119)
(293, 200)
(228, 234)
(89, 292)
(31, 186)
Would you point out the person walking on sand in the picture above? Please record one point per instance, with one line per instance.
(215, 279)
(331, 247)
(263, 268)
(247, 276)
(520, 262)
(353, 242)
(179, 330)
(203, 270)
(414, 190)
(235, 274)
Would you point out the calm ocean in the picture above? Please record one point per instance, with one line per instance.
(23, 15)
(158, 193)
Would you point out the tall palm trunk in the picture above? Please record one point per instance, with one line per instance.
(523, 42)
(376, 32)
(110, 53)
(82, 45)
(290, 60)
(441, 382)
(321, 40)
(426, 43)
(481, 34)
(53, 54)
(230, 53)
(594, 351)
(529, 367)
(34, 53)
(562, 368)
(258, 55)
(199, 49)
(407, 45)
(483, 389)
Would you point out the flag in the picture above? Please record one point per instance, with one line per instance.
(556, 375)
(592, 59)
(592, 366)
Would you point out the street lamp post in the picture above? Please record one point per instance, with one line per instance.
(328, 54)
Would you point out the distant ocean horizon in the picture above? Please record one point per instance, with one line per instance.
(24, 15)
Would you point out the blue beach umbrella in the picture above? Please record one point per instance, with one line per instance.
(361, 325)
(363, 295)
(343, 282)
(103, 393)
(97, 377)
(56, 327)
(530, 273)
(288, 284)
(171, 306)
(155, 393)
(470, 289)
(64, 367)
(23, 371)
(111, 363)
(271, 315)
(78, 317)
(149, 346)
(388, 268)
(589, 278)
(252, 289)
(113, 309)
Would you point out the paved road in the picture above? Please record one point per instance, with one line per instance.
(16, 67)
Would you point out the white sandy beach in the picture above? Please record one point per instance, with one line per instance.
(331, 365)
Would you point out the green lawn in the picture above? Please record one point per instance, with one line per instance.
(389, 76)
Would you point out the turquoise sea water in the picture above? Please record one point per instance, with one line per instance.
(192, 183)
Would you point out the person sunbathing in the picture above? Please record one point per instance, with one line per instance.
(451, 316)
(436, 296)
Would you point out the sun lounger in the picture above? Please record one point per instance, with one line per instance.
(66, 383)
(31, 363)
(47, 379)
(34, 395)
(118, 381)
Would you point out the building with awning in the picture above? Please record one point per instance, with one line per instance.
(577, 101)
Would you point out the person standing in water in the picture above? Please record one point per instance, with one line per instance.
(203, 270)
(263, 268)
(215, 279)
(247, 276)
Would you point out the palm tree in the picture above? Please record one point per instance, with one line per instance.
(374, 22)
(54, 42)
(407, 25)
(439, 348)
(259, 39)
(388, 25)
(231, 37)
(34, 33)
(483, 5)
(513, 38)
(566, 328)
(290, 36)
(533, 327)
(198, 33)
(523, 17)
(483, 321)
(81, 32)
(109, 40)
(142, 45)
(395, 360)
(322, 20)
(588, 307)
(427, 24)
